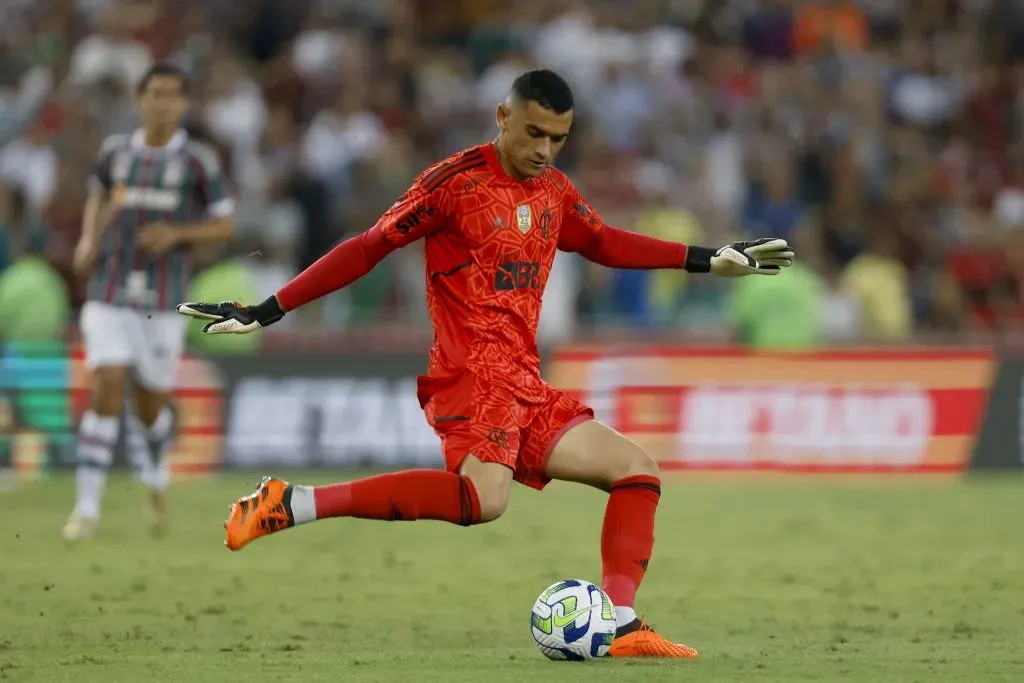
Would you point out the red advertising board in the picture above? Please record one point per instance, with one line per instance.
(830, 411)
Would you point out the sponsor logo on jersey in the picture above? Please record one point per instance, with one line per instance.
(151, 198)
(524, 219)
(517, 275)
(414, 217)
(584, 212)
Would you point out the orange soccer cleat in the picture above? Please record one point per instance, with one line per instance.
(258, 514)
(643, 641)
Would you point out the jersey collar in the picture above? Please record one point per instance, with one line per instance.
(491, 155)
(176, 142)
(490, 151)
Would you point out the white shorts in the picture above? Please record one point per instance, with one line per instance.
(150, 343)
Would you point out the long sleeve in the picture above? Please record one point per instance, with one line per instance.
(417, 213)
(584, 232)
(338, 268)
(616, 248)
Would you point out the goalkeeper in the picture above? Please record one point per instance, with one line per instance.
(492, 218)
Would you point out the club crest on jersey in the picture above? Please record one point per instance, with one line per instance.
(173, 173)
(546, 218)
(524, 219)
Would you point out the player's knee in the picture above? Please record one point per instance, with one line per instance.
(644, 464)
(633, 461)
(492, 493)
(492, 483)
(108, 390)
(147, 404)
(493, 505)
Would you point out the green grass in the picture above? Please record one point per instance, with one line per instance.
(772, 580)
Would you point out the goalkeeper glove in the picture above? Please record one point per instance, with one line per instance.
(765, 256)
(231, 317)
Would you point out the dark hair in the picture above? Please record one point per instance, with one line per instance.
(164, 69)
(544, 87)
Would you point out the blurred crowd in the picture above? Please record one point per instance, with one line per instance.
(882, 137)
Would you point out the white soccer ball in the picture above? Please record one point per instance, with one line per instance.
(573, 619)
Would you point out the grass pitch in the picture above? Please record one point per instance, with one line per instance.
(771, 579)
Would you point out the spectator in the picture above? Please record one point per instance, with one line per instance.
(772, 206)
(111, 51)
(622, 105)
(918, 93)
(235, 110)
(832, 23)
(880, 284)
(663, 219)
(494, 83)
(13, 238)
(29, 163)
(768, 32)
(31, 279)
(828, 118)
(18, 108)
(780, 313)
(339, 138)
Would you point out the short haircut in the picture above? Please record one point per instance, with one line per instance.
(544, 87)
(164, 69)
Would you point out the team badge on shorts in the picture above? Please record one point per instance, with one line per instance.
(523, 218)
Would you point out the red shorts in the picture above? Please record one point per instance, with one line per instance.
(474, 416)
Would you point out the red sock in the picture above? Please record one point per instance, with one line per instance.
(627, 536)
(408, 495)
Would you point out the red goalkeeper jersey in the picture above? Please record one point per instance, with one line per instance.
(490, 241)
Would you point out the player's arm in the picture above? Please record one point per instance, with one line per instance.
(218, 225)
(96, 214)
(584, 232)
(416, 214)
(218, 222)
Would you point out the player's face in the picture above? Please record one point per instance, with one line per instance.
(532, 136)
(163, 103)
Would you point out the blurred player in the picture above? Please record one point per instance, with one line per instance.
(493, 217)
(154, 193)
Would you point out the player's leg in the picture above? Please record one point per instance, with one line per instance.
(591, 453)
(109, 356)
(476, 493)
(147, 446)
(583, 450)
(140, 453)
(150, 438)
(474, 488)
(162, 346)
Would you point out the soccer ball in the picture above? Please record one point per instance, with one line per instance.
(573, 619)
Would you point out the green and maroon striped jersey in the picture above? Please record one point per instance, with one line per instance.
(179, 183)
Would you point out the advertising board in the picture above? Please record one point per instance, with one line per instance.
(727, 409)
